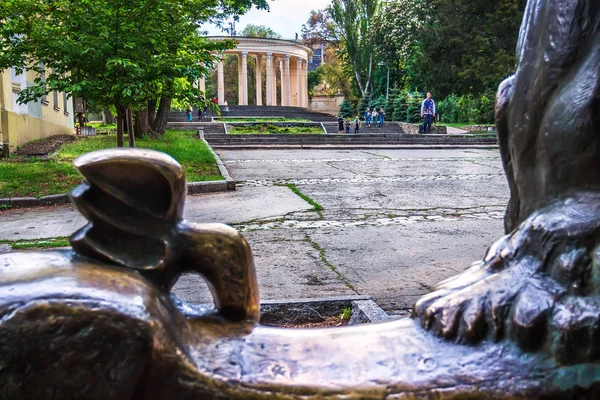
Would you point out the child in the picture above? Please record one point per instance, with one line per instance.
(189, 114)
(347, 125)
(356, 125)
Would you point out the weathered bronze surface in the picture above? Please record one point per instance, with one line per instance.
(99, 322)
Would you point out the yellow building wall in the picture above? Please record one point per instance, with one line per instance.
(23, 123)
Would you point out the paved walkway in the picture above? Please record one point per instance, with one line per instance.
(394, 222)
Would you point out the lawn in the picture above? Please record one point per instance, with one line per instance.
(249, 119)
(23, 177)
(460, 124)
(269, 129)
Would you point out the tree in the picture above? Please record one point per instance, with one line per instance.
(121, 53)
(351, 25)
(259, 31)
(466, 46)
(396, 34)
(346, 109)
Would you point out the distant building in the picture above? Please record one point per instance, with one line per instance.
(21, 123)
(318, 57)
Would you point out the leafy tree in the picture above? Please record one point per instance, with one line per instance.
(346, 109)
(351, 24)
(395, 34)
(113, 52)
(466, 46)
(314, 79)
(259, 31)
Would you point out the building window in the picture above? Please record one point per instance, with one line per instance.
(55, 96)
(18, 83)
(43, 80)
(66, 103)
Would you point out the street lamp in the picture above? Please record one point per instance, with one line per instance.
(387, 92)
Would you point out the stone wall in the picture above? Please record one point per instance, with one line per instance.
(413, 129)
(326, 104)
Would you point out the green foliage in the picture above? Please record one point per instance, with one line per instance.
(406, 107)
(351, 24)
(363, 104)
(259, 31)
(120, 53)
(314, 79)
(346, 109)
(346, 314)
(378, 103)
(467, 109)
(466, 46)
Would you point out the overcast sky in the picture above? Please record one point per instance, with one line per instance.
(284, 17)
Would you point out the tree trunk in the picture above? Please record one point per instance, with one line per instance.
(107, 117)
(141, 123)
(130, 127)
(151, 112)
(162, 116)
(120, 120)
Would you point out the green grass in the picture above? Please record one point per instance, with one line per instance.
(23, 177)
(24, 244)
(460, 124)
(277, 119)
(269, 129)
(316, 206)
(101, 125)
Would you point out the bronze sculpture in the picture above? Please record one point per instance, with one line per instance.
(99, 322)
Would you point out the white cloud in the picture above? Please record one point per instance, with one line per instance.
(284, 17)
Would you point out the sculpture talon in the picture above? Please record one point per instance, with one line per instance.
(100, 323)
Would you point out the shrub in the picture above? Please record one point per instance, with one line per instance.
(346, 109)
(363, 104)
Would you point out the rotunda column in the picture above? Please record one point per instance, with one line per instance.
(220, 82)
(269, 74)
(258, 80)
(288, 91)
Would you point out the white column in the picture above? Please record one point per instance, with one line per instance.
(305, 84)
(274, 85)
(245, 76)
(299, 71)
(220, 82)
(281, 84)
(258, 80)
(288, 89)
(269, 74)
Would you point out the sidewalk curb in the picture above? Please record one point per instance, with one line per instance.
(228, 179)
(193, 188)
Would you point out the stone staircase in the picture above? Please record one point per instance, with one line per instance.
(241, 141)
(388, 127)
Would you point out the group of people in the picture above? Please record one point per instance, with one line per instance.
(374, 118)
(202, 113)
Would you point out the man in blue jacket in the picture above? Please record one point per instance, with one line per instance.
(428, 112)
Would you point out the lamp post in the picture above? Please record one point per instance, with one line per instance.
(387, 92)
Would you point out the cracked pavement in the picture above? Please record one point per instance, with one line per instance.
(393, 224)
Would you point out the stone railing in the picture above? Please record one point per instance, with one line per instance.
(413, 129)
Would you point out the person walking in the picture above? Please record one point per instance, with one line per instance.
(348, 124)
(356, 125)
(226, 109)
(341, 125)
(189, 114)
(381, 117)
(368, 117)
(427, 113)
